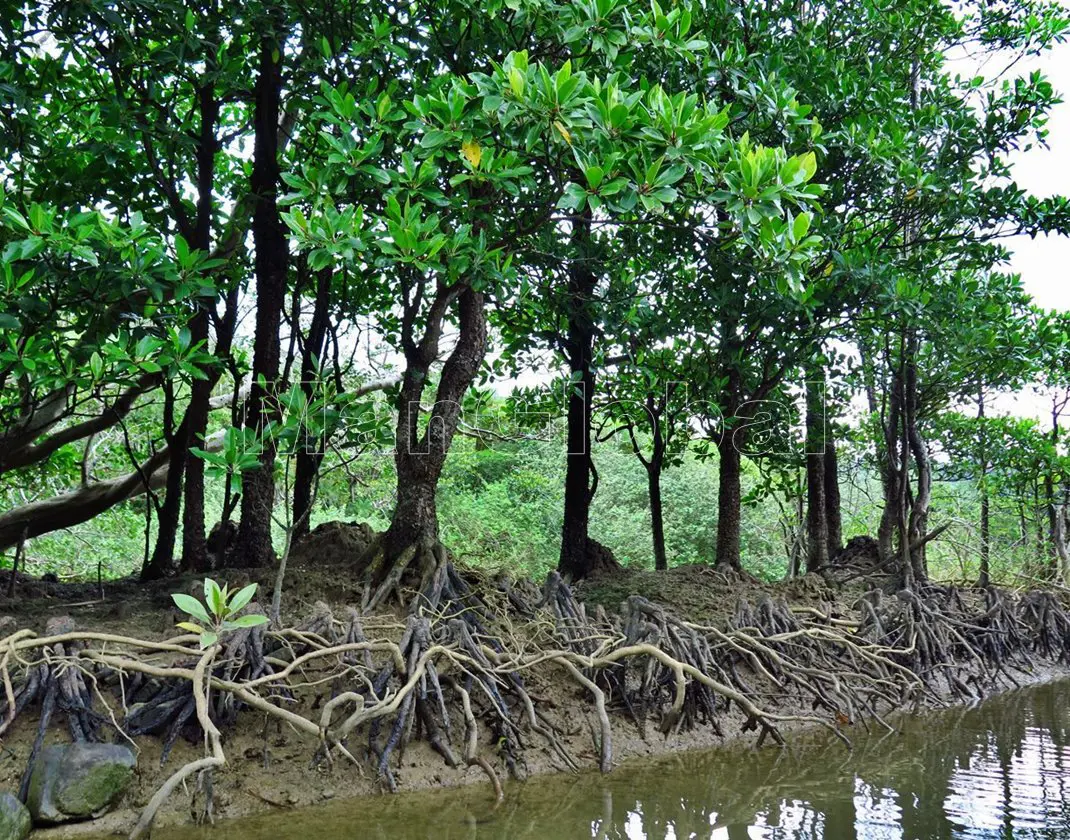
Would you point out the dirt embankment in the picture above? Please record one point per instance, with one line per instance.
(544, 680)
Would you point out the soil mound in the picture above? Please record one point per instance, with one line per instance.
(333, 544)
(858, 560)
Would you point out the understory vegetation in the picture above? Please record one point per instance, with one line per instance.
(501, 510)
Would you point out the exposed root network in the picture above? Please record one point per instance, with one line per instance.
(454, 672)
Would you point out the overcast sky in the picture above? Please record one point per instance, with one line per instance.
(1044, 263)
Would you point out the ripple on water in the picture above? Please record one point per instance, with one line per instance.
(1001, 770)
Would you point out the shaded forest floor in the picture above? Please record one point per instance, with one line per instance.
(792, 628)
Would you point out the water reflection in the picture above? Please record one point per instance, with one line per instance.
(997, 771)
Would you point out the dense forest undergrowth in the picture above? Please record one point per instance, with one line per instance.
(501, 508)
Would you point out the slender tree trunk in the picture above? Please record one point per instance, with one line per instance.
(1062, 551)
(817, 540)
(270, 264)
(161, 563)
(891, 473)
(1049, 494)
(1038, 521)
(985, 576)
(579, 468)
(729, 504)
(657, 516)
(310, 451)
(833, 504)
(919, 509)
(194, 423)
(194, 543)
(580, 555)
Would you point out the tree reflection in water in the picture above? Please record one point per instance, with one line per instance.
(995, 771)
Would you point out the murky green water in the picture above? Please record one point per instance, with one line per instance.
(997, 771)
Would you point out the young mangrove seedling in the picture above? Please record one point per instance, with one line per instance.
(219, 613)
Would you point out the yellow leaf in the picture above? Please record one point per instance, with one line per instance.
(912, 194)
(563, 131)
(189, 625)
(472, 152)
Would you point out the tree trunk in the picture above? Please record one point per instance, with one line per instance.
(69, 509)
(419, 458)
(161, 564)
(919, 509)
(1049, 494)
(1062, 551)
(891, 473)
(1038, 526)
(580, 555)
(729, 504)
(657, 516)
(579, 470)
(310, 449)
(833, 505)
(985, 576)
(270, 266)
(194, 542)
(817, 540)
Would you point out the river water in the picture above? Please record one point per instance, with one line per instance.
(999, 770)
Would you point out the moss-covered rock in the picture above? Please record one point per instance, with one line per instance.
(15, 820)
(78, 781)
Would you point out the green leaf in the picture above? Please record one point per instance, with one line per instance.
(191, 606)
(213, 596)
(242, 597)
(516, 82)
(208, 639)
(249, 621)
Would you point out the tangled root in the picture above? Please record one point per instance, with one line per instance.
(460, 666)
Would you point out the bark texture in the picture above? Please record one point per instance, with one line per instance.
(270, 265)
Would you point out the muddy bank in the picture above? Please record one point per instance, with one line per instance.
(769, 643)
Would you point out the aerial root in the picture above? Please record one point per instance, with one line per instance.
(461, 669)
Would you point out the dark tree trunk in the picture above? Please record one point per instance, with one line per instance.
(1049, 509)
(817, 540)
(579, 469)
(729, 504)
(194, 546)
(310, 451)
(985, 576)
(194, 542)
(419, 457)
(657, 516)
(919, 508)
(195, 551)
(891, 471)
(270, 265)
(161, 564)
(580, 555)
(833, 505)
(1038, 522)
(195, 422)
(1049, 495)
